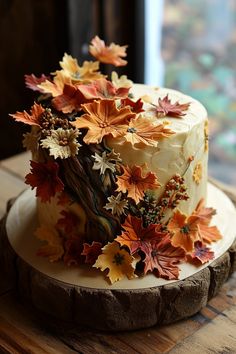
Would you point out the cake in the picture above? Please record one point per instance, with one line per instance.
(120, 170)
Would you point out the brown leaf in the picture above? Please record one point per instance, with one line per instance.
(166, 108)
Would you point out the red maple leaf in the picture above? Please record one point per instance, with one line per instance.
(70, 100)
(32, 82)
(44, 177)
(102, 89)
(162, 258)
(92, 252)
(68, 222)
(165, 107)
(135, 107)
(136, 237)
(201, 254)
(73, 248)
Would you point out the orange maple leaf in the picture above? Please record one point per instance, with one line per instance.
(142, 132)
(102, 89)
(133, 182)
(165, 107)
(55, 87)
(103, 118)
(33, 118)
(111, 54)
(184, 231)
(189, 229)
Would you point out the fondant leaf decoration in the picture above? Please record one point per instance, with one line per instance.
(135, 183)
(54, 248)
(68, 222)
(204, 214)
(44, 177)
(209, 234)
(73, 248)
(85, 73)
(136, 107)
(102, 89)
(188, 229)
(166, 108)
(111, 54)
(118, 262)
(103, 118)
(142, 132)
(70, 100)
(32, 118)
(56, 87)
(32, 81)
(201, 254)
(162, 259)
(184, 231)
(136, 237)
(91, 252)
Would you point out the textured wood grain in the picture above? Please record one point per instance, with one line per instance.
(114, 310)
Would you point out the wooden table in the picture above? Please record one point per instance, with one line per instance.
(213, 330)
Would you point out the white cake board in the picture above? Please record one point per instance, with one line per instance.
(21, 223)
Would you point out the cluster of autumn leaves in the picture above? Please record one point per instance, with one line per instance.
(79, 105)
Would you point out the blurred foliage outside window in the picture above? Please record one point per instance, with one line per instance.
(199, 53)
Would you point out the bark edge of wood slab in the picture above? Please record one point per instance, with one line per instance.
(61, 304)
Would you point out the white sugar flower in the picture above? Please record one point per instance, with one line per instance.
(62, 143)
(116, 204)
(106, 161)
(121, 81)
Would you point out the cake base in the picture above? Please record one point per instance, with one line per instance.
(106, 307)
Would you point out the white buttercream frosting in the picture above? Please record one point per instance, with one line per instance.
(172, 154)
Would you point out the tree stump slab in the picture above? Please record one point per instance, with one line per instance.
(113, 308)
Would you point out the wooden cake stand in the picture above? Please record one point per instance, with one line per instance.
(82, 297)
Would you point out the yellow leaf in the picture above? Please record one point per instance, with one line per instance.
(118, 261)
(54, 248)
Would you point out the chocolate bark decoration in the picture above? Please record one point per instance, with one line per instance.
(86, 187)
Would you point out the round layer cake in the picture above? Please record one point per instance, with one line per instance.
(120, 171)
(183, 152)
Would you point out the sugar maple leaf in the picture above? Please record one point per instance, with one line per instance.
(135, 183)
(204, 214)
(55, 87)
(142, 132)
(32, 81)
(201, 254)
(209, 234)
(102, 89)
(136, 237)
(73, 248)
(111, 54)
(70, 100)
(162, 258)
(102, 118)
(118, 261)
(184, 230)
(68, 222)
(165, 107)
(54, 248)
(44, 177)
(136, 107)
(32, 118)
(91, 252)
